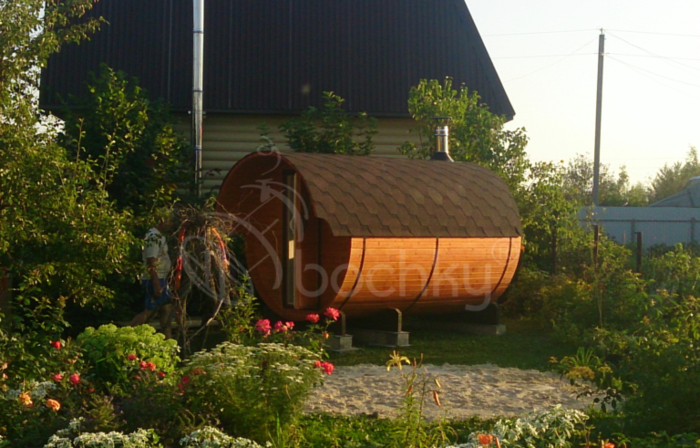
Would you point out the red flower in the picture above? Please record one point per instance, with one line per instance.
(185, 379)
(332, 313)
(313, 318)
(143, 365)
(161, 374)
(74, 379)
(198, 371)
(151, 366)
(317, 364)
(56, 344)
(485, 439)
(263, 326)
(131, 357)
(91, 390)
(289, 325)
(136, 377)
(609, 445)
(327, 367)
(57, 377)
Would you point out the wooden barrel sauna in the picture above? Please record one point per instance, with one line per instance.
(363, 234)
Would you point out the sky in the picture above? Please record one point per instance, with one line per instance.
(546, 54)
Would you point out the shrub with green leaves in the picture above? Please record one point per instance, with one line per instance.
(110, 352)
(660, 357)
(331, 130)
(551, 428)
(209, 437)
(74, 437)
(251, 389)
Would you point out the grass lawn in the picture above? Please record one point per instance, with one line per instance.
(523, 346)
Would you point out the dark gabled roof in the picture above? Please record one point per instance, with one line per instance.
(278, 56)
(390, 197)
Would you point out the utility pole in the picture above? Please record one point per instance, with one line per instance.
(197, 91)
(598, 114)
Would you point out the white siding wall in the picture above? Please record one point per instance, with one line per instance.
(228, 138)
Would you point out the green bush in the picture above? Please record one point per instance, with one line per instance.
(551, 428)
(112, 352)
(331, 130)
(251, 390)
(209, 437)
(660, 356)
(74, 437)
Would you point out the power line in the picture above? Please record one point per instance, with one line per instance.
(539, 32)
(652, 73)
(543, 56)
(555, 62)
(651, 32)
(653, 56)
(652, 53)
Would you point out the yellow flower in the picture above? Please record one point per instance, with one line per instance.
(53, 404)
(25, 399)
(395, 360)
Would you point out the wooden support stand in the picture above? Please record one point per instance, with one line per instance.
(384, 329)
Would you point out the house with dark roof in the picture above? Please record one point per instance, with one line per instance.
(267, 60)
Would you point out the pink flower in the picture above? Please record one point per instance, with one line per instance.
(131, 357)
(283, 327)
(327, 367)
(57, 377)
(332, 313)
(74, 379)
(56, 344)
(313, 318)
(263, 326)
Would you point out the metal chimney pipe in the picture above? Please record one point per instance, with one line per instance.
(442, 135)
(198, 90)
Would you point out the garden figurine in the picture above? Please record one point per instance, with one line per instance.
(154, 281)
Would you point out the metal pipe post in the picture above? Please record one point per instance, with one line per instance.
(198, 91)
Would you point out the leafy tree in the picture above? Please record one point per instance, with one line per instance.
(130, 142)
(476, 134)
(59, 232)
(578, 181)
(331, 130)
(546, 213)
(672, 179)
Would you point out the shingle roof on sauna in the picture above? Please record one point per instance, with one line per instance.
(391, 197)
